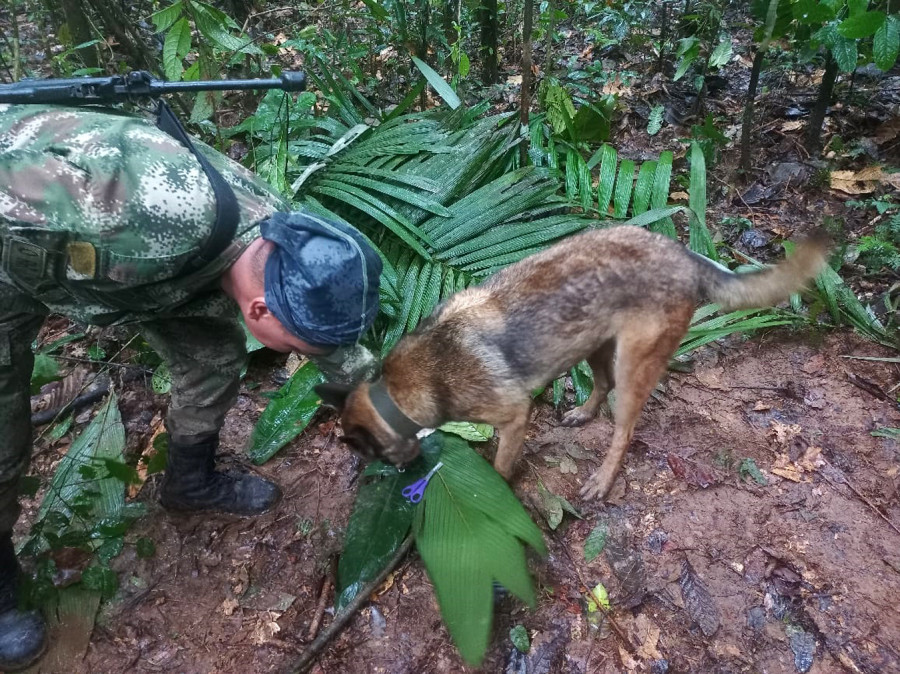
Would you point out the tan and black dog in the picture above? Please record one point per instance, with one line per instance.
(621, 298)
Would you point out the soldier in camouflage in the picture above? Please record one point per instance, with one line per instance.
(102, 216)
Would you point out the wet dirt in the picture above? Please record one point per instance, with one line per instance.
(800, 572)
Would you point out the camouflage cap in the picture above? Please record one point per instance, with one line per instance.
(321, 279)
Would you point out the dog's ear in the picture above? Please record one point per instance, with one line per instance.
(333, 395)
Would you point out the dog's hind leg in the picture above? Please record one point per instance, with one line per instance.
(601, 362)
(643, 353)
(512, 437)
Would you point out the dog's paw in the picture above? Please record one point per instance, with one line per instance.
(597, 486)
(577, 417)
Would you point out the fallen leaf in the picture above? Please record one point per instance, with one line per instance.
(567, 466)
(229, 605)
(693, 473)
(760, 406)
(792, 125)
(628, 662)
(783, 434)
(679, 196)
(265, 630)
(648, 635)
(578, 452)
(698, 602)
(864, 181)
(148, 453)
(788, 473)
(887, 131)
(598, 598)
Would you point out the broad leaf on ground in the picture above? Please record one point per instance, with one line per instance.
(470, 533)
(286, 415)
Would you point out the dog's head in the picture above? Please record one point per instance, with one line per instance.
(366, 433)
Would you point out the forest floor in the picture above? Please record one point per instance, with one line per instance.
(794, 569)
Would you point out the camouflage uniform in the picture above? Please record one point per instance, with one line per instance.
(99, 212)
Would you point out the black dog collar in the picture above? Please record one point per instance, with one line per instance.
(392, 415)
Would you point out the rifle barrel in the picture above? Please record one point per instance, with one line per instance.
(78, 90)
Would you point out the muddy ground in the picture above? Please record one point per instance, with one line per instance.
(802, 568)
(800, 573)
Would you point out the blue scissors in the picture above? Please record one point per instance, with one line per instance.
(416, 490)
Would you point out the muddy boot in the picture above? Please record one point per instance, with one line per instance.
(23, 635)
(190, 483)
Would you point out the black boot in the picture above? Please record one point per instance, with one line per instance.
(190, 483)
(23, 635)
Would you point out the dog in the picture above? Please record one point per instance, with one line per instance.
(621, 298)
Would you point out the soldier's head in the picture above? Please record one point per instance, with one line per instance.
(311, 284)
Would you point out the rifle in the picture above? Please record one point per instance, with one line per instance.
(138, 83)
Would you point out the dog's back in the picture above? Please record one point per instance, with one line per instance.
(551, 310)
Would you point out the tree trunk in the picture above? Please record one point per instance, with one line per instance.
(663, 36)
(817, 116)
(525, 104)
(125, 32)
(451, 16)
(747, 123)
(422, 47)
(80, 30)
(551, 29)
(487, 18)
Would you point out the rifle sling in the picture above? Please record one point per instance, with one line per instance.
(227, 211)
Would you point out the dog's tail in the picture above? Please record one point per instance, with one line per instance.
(765, 287)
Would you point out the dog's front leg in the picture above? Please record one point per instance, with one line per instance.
(512, 437)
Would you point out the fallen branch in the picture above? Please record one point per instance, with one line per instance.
(306, 660)
(859, 495)
(323, 600)
(83, 400)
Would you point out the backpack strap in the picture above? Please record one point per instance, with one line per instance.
(227, 211)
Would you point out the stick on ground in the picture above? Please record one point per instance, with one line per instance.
(306, 660)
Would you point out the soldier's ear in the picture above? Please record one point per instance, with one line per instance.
(334, 395)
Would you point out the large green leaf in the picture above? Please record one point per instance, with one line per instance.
(861, 25)
(700, 240)
(82, 492)
(164, 18)
(469, 535)
(887, 43)
(286, 415)
(380, 521)
(176, 46)
(439, 83)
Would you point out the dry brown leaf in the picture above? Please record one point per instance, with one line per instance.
(792, 125)
(387, 584)
(648, 634)
(888, 131)
(157, 426)
(628, 662)
(788, 473)
(811, 459)
(229, 605)
(514, 79)
(784, 433)
(864, 181)
(679, 196)
(265, 629)
(760, 406)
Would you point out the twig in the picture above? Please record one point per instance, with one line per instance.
(862, 498)
(606, 613)
(323, 600)
(872, 389)
(305, 661)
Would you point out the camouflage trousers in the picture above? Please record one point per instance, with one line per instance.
(205, 356)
